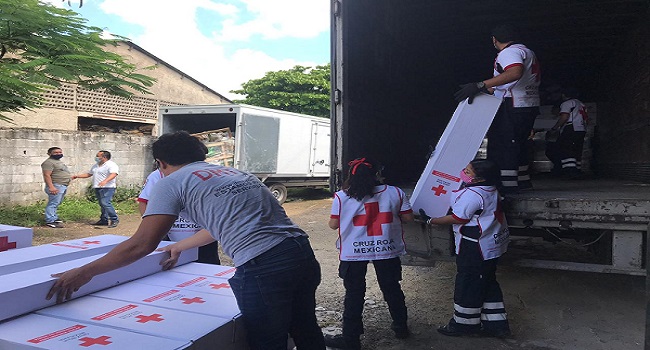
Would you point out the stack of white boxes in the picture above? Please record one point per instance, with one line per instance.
(134, 307)
(14, 237)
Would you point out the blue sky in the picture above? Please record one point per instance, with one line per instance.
(221, 43)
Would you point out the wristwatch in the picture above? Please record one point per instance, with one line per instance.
(480, 85)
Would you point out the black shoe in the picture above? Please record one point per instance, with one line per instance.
(401, 332)
(113, 224)
(451, 331)
(101, 223)
(501, 333)
(341, 342)
(53, 224)
(58, 221)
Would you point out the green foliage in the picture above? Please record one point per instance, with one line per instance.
(122, 194)
(72, 209)
(300, 89)
(42, 46)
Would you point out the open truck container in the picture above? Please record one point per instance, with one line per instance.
(396, 65)
(281, 148)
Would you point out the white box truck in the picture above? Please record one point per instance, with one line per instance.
(281, 148)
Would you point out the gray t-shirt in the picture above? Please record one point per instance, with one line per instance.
(235, 207)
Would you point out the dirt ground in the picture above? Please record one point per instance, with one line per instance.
(547, 309)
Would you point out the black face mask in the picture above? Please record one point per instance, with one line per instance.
(56, 156)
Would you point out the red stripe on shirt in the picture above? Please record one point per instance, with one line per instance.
(512, 65)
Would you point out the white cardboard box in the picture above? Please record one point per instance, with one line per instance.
(207, 270)
(205, 284)
(224, 306)
(456, 148)
(25, 291)
(42, 332)
(13, 237)
(205, 332)
(48, 254)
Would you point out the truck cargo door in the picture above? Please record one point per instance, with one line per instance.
(320, 149)
(259, 138)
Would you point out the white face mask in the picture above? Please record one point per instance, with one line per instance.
(97, 159)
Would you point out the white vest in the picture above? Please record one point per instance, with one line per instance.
(371, 229)
(480, 206)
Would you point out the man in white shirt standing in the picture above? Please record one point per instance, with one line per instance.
(104, 172)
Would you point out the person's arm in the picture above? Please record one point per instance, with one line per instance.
(109, 178)
(408, 217)
(142, 207)
(81, 176)
(146, 238)
(564, 117)
(509, 75)
(334, 223)
(47, 177)
(444, 220)
(198, 239)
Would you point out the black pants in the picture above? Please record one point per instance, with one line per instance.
(478, 299)
(508, 146)
(389, 275)
(566, 152)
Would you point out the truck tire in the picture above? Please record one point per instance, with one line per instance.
(279, 191)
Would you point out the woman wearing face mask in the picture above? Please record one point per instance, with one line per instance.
(481, 237)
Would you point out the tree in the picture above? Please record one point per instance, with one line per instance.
(300, 89)
(42, 46)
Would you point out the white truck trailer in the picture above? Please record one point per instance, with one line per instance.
(281, 148)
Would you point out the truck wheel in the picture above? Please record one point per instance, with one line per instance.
(279, 192)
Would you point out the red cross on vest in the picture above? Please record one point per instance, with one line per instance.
(193, 300)
(5, 244)
(91, 242)
(439, 190)
(88, 341)
(219, 286)
(152, 317)
(373, 219)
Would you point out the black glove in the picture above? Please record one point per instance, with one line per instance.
(468, 91)
(424, 217)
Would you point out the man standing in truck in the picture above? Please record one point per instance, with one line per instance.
(516, 80)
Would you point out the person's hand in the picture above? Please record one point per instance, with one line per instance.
(67, 283)
(174, 254)
(101, 184)
(74, 177)
(424, 218)
(468, 91)
(53, 190)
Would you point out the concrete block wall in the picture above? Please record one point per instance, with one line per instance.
(24, 149)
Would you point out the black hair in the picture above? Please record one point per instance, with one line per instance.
(505, 33)
(570, 92)
(179, 148)
(487, 171)
(49, 150)
(106, 154)
(362, 178)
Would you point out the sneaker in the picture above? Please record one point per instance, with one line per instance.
(401, 332)
(341, 342)
(58, 221)
(53, 224)
(113, 224)
(101, 223)
(451, 331)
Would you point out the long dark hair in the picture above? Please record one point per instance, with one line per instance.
(362, 178)
(487, 170)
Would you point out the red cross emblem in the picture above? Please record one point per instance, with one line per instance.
(87, 341)
(440, 190)
(90, 242)
(219, 286)
(498, 214)
(373, 219)
(5, 244)
(193, 300)
(152, 317)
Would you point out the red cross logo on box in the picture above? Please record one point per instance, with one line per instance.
(5, 244)
(87, 341)
(193, 300)
(152, 317)
(219, 286)
(440, 190)
(91, 242)
(373, 219)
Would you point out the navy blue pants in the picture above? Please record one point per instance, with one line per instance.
(276, 293)
(389, 275)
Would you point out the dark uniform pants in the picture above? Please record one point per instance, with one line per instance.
(478, 300)
(566, 152)
(508, 146)
(389, 275)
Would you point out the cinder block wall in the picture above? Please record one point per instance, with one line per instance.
(23, 151)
